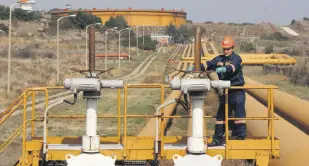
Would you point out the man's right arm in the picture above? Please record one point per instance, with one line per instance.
(212, 64)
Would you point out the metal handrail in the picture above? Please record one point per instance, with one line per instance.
(13, 137)
(12, 108)
(26, 122)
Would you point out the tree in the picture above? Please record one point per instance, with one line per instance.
(23, 15)
(183, 34)
(149, 44)
(118, 21)
(293, 21)
(4, 12)
(36, 15)
(83, 19)
(171, 29)
(4, 28)
(180, 35)
(189, 21)
(19, 14)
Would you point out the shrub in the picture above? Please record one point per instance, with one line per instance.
(247, 47)
(118, 21)
(232, 23)
(23, 15)
(269, 49)
(208, 22)
(300, 74)
(25, 53)
(149, 44)
(50, 55)
(247, 23)
(4, 28)
(83, 19)
(275, 36)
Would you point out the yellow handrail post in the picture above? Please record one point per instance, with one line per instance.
(33, 115)
(226, 122)
(272, 123)
(24, 129)
(162, 121)
(125, 121)
(119, 106)
(269, 112)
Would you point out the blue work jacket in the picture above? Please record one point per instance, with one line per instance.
(236, 77)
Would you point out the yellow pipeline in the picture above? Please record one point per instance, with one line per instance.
(245, 56)
(292, 108)
(248, 61)
(293, 142)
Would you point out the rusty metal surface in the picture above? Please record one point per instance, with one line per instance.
(197, 52)
(91, 49)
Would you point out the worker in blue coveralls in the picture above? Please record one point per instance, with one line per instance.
(229, 67)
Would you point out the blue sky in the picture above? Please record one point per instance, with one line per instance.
(279, 12)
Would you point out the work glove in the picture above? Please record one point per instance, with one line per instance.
(191, 69)
(221, 70)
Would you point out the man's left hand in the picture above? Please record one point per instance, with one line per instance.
(221, 70)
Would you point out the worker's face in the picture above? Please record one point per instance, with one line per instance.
(228, 51)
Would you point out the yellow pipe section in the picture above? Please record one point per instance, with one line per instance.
(260, 56)
(213, 48)
(293, 142)
(252, 61)
(278, 57)
(206, 53)
(192, 54)
(290, 107)
(189, 51)
(175, 72)
(184, 54)
(185, 50)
